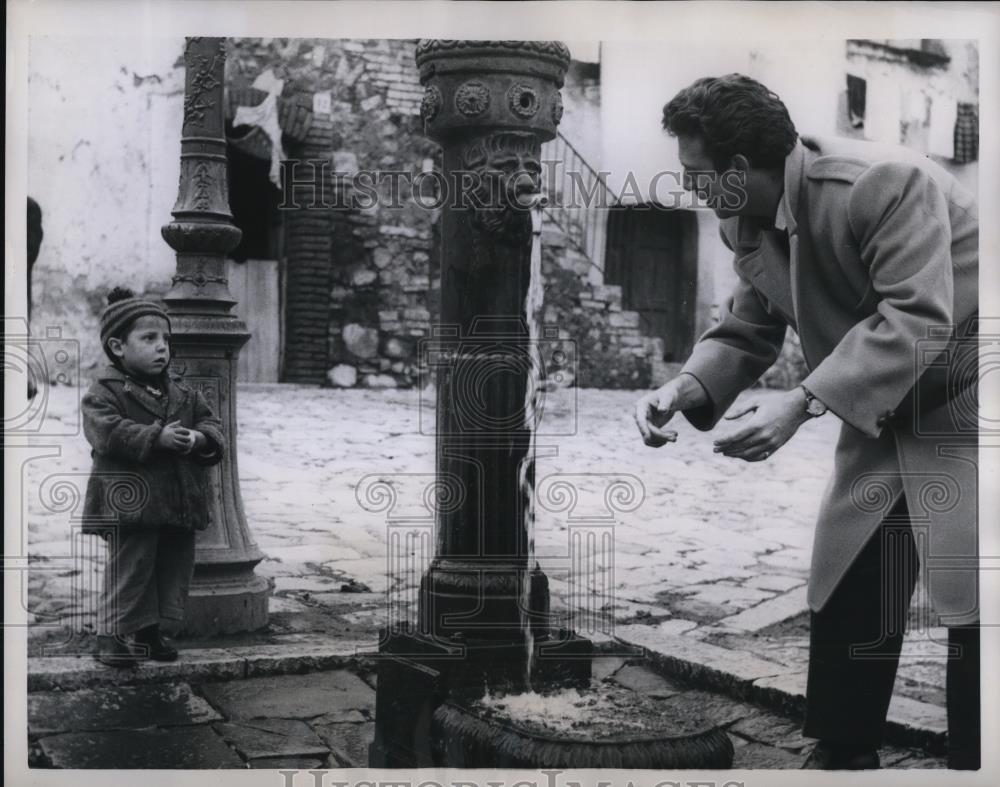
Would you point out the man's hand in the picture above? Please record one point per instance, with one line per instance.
(175, 437)
(655, 409)
(774, 421)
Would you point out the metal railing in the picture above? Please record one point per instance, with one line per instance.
(579, 198)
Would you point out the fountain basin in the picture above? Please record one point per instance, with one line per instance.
(602, 726)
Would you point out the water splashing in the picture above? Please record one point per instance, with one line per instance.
(532, 311)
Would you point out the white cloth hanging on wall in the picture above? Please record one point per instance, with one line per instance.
(883, 110)
(941, 138)
(265, 117)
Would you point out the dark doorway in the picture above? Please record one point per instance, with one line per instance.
(653, 254)
(253, 201)
(255, 267)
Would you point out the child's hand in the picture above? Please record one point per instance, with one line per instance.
(198, 441)
(175, 437)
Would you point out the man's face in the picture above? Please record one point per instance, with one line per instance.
(145, 352)
(724, 192)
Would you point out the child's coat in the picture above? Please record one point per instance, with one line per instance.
(134, 481)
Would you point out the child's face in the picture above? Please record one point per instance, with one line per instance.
(145, 351)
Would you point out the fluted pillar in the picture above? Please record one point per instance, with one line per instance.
(226, 595)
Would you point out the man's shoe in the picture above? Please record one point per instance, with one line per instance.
(112, 652)
(148, 642)
(841, 757)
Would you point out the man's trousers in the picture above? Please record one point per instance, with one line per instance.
(855, 642)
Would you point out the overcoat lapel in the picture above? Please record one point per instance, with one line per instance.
(155, 405)
(799, 242)
(177, 397)
(765, 264)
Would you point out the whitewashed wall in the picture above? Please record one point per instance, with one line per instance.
(104, 121)
(638, 78)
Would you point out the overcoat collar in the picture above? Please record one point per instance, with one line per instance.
(166, 407)
(760, 256)
(751, 230)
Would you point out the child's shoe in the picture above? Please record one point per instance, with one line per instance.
(115, 653)
(149, 643)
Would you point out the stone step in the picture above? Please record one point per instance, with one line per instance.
(199, 665)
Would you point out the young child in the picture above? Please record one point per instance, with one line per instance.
(152, 439)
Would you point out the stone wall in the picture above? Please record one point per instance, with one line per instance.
(362, 283)
(358, 280)
(600, 342)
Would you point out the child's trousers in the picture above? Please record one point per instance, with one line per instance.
(146, 578)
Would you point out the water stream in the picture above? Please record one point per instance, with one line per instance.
(526, 472)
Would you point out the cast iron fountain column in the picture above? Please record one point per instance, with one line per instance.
(226, 595)
(490, 105)
(483, 630)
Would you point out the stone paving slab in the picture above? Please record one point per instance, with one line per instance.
(272, 738)
(643, 680)
(291, 696)
(603, 667)
(911, 759)
(340, 716)
(773, 730)
(712, 708)
(767, 613)
(289, 763)
(776, 582)
(786, 692)
(756, 756)
(920, 723)
(194, 748)
(348, 742)
(121, 707)
(690, 658)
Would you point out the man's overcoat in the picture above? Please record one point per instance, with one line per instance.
(880, 280)
(134, 482)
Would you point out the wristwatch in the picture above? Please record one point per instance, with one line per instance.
(814, 407)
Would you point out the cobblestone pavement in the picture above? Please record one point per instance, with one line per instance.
(705, 549)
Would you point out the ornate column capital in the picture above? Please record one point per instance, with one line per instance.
(498, 85)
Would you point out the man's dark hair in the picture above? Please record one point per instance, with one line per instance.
(733, 114)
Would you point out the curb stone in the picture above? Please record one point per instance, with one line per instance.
(909, 723)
